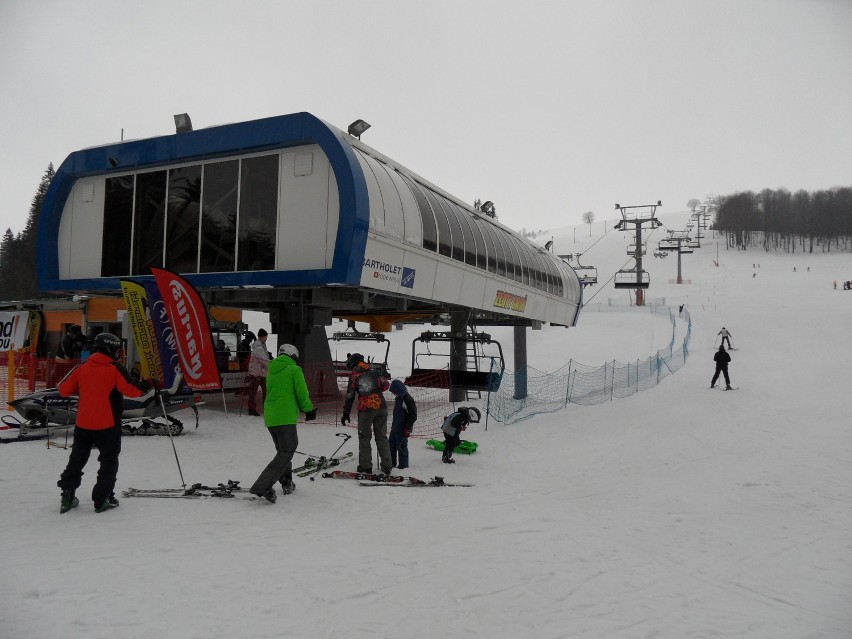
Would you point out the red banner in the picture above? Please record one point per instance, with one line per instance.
(188, 316)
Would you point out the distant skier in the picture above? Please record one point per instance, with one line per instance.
(726, 336)
(722, 360)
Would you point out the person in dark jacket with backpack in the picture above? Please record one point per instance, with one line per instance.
(404, 416)
(101, 384)
(368, 385)
(722, 360)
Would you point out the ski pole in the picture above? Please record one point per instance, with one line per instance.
(171, 438)
(324, 464)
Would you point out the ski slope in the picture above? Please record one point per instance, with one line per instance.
(678, 512)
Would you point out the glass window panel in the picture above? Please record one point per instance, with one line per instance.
(515, 258)
(468, 233)
(540, 278)
(118, 220)
(149, 219)
(481, 250)
(495, 247)
(410, 210)
(455, 228)
(430, 230)
(445, 239)
(374, 194)
(502, 254)
(521, 270)
(491, 252)
(554, 277)
(219, 216)
(182, 219)
(258, 213)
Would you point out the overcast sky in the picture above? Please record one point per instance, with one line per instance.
(549, 109)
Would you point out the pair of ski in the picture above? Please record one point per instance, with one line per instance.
(398, 481)
(228, 490)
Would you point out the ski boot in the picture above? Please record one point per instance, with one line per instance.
(107, 504)
(288, 486)
(447, 458)
(69, 501)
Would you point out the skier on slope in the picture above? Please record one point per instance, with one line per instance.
(726, 336)
(722, 360)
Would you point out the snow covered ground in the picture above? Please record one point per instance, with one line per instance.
(678, 512)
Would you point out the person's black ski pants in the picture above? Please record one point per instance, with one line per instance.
(724, 371)
(281, 467)
(108, 442)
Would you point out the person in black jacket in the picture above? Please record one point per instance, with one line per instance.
(722, 360)
(404, 416)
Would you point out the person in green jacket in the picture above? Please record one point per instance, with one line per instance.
(286, 395)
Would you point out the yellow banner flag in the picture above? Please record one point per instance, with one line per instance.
(139, 313)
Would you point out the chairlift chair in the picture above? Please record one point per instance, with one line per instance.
(339, 366)
(588, 274)
(631, 278)
(482, 378)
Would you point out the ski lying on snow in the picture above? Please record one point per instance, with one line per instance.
(313, 463)
(229, 485)
(368, 477)
(413, 482)
(197, 491)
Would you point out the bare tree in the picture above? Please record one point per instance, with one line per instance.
(693, 204)
(588, 218)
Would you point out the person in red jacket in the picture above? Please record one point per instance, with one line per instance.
(100, 383)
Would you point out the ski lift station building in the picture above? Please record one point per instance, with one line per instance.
(295, 217)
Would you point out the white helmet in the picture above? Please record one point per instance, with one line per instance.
(288, 349)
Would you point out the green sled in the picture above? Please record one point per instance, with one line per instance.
(465, 448)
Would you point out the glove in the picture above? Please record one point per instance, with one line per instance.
(406, 432)
(310, 416)
(345, 419)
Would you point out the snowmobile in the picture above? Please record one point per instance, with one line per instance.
(46, 410)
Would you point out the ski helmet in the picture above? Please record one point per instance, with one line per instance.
(108, 344)
(353, 359)
(288, 349)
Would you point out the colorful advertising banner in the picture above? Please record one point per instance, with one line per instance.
(165, 335)
(139, 314)
(13, 330)
(188, 316)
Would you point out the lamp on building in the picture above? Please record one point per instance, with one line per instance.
(113, 162)
(357, 128)
(182, 123)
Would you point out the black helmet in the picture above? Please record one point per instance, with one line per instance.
(108, 344)
(353, 359)
(249, 336)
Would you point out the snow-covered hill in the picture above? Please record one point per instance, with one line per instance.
(679, 512)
